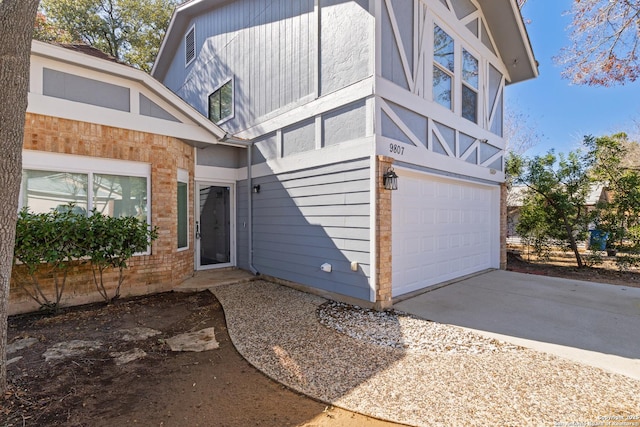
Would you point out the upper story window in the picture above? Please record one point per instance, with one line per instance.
(190, 46)
(443, 67)
(469, 86)
(221, 103)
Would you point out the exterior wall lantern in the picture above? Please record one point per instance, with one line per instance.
(256, 188)
(390, 179)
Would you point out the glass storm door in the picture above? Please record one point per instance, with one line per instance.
(213, 226)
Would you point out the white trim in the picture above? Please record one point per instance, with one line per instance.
(42, 160)
(131, 75)
(337, 153)
(429, 159)
(373, 218)
(400, 45)
(182, 177)
(218, 174)
(352, 93)
(232, 223)
(233, 100)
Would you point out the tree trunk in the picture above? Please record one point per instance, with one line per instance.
(17, 18)
(572, 240)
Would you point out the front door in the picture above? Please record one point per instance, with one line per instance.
(213, 226)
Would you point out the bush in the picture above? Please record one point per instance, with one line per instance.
(48, 242)
(111, 242)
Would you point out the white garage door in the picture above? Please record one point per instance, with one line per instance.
(442, 229)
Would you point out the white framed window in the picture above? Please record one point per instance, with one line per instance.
(470, 80)
(443, 67)
(51, 181)
(190, 46)
(183, 209)
(221, 100)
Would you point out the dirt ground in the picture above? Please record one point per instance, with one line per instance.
(211, 388)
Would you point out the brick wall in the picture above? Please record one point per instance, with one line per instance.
(503, 226)
(165, 267)
(383, 237)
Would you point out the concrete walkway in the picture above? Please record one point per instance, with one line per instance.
(591, 323)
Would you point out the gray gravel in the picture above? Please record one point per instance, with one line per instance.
(404, 369)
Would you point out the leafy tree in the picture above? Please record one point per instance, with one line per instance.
(620, 215)
(555, 201)
(16, 29)
(129, 30)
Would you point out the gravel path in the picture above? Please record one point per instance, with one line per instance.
(403, 369)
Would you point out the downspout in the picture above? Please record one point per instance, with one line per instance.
(249, 146)
(250, 208)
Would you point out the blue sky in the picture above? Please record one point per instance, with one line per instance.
(563, 113)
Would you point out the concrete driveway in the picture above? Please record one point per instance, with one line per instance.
(592, 323)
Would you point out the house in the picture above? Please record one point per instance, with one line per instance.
(104, 135)
(598, 192)
(333, 95)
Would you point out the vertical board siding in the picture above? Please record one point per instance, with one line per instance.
(264, 45)
(302, 219)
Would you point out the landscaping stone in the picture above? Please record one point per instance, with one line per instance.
(20, 344)
(73, 348)
(202, 340)
(138, 334)
(128, 356)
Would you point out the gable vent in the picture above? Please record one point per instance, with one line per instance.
(190, 46)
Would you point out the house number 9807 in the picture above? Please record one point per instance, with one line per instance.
(396, 149)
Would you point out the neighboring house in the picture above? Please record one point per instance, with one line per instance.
(104, 135)
(332, 93)
(515, 201)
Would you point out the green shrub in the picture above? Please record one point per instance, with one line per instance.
(111, 242)
(46, 243)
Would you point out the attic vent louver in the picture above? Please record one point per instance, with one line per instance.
(190, 46)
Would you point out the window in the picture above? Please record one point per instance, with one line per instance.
(469, 86)
(221, 103)
(183, 209)
(190, 46)
(443, 67)
(114, 188)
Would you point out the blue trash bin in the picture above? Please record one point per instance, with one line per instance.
(598, 240)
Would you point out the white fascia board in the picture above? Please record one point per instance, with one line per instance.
(128, 73)
(510, 34)
(428, 159)
(49, 106)
(176, 30)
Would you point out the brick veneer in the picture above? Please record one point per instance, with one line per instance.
(383, 237)
(165, 267)
(503, 226)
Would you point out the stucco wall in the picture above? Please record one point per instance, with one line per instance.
(165, 267)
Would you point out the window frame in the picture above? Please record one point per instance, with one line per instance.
(443, 69)
(183, 178)
(90, 166)
(218, 89)
(468, 85)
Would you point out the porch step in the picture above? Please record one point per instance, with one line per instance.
(206, 279)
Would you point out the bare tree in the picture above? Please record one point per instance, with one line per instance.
(604, 43)
(520, 132)
(17, 19)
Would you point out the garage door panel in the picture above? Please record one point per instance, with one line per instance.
(453, 223)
